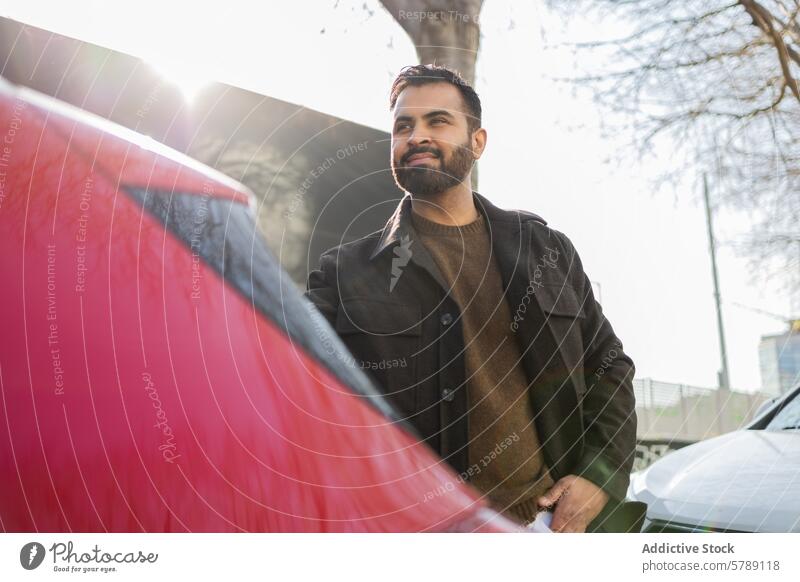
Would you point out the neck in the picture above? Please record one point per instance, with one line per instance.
(453, 207)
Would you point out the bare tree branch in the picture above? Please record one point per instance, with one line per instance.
(715, 83)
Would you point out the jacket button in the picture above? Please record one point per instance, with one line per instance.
(446, 319)
(448, 394)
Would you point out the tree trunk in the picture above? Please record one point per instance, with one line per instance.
(444, 32)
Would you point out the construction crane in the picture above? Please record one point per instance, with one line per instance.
(792, 322)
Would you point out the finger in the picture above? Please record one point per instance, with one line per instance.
(553, 493)
(561, 517)
(570, 510)
(568, 524)
(558, 522)
(575, 514)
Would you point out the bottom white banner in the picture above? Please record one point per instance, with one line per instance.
(400, 556)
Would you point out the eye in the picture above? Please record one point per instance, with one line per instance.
(439, 120)
(400, 127)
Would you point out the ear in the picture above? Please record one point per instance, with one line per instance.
(478, 142)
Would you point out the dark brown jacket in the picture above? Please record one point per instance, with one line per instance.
(386, 299)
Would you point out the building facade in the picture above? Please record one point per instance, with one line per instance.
(779, 358)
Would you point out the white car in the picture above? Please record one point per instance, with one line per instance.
(744, 481)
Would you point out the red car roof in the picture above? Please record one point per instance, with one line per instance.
(127, 157)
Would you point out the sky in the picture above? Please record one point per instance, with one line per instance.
(646, 251)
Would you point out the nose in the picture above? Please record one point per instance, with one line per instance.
(417, 138)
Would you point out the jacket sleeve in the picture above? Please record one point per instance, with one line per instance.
(322, 287)
(609, 406)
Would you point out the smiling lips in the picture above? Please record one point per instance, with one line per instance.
(419, 159)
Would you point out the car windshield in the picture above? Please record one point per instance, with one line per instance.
(788, 418)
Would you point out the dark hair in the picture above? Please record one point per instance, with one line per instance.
(417, 75)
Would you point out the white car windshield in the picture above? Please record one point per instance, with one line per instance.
(788, 418)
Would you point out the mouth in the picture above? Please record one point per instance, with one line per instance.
(420, 159)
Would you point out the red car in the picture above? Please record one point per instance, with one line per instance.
(159, 371)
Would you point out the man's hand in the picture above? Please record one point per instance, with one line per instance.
(579, 502)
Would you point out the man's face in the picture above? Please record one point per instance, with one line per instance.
(431, 145)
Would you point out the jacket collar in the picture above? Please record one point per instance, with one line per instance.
(400, 226)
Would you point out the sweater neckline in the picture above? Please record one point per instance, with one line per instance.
(426, 226)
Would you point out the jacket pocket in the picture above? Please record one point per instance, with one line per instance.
(564, 314)
(560, 300)
(384, 338)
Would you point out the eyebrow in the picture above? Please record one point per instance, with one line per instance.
(428, 115)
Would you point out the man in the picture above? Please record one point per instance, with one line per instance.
(481, 327)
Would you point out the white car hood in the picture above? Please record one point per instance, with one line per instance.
(747, 480)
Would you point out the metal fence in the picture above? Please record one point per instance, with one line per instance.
(671, 416)
(689, 413)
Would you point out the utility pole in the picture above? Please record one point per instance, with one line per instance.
(722, 375)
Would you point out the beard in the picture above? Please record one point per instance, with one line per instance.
(427, 181)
